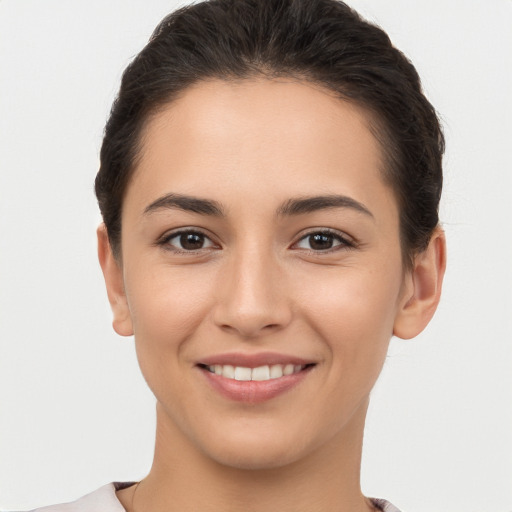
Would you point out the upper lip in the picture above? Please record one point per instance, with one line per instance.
(253, 360)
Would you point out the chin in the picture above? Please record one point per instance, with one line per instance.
(262, 451)
(260, 458)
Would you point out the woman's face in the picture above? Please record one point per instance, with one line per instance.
(257, 232)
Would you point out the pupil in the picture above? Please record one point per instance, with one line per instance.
(191, 241)
(320, 241)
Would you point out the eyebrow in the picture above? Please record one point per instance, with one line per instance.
(292, 207)
(302, 205)
(186, 203)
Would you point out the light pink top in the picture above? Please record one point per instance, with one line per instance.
(105, 500)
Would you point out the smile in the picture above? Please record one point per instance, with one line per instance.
(249, 380)
(261, 373)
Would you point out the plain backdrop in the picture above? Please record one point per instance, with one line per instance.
(75, 412)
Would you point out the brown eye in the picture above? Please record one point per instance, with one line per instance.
(191, 241)
(188, 241)
(323, 241)
(320, 241)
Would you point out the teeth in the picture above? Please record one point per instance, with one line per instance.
(260, 373)
(228, 371)
(242, 373)
(288, 369)
(276, 371)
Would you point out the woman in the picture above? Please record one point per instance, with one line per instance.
(269, 184)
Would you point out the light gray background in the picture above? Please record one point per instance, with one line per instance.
(74, 411)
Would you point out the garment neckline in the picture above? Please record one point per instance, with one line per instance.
(381, 504)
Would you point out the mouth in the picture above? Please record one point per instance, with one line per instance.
(254, 379)
(259, 374)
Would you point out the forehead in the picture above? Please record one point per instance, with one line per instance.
(268, 138)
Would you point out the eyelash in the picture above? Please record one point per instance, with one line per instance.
(165, 241)
(344, 242)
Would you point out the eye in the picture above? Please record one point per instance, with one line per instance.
(323, 241)
(187, 241)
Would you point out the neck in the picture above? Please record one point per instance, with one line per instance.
(184, 479)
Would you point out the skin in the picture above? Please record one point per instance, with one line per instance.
(258, 285)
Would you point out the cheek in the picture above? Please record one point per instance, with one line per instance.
(168, 299)
(353, 311)
(166, 305)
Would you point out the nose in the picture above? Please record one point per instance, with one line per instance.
(251, 295)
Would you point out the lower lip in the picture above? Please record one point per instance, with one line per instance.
(253, 391)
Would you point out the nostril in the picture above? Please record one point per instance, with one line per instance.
(250, 314)
(249, 330)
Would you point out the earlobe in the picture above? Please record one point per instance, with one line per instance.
(422, 291)
(114, 282)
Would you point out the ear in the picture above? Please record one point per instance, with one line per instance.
(422, 288)
(113, 274)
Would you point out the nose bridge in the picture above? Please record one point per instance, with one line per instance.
(252, 296)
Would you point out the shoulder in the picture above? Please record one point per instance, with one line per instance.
(384, 505)
(103, 499)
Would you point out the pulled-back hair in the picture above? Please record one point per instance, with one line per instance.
(320, 41)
